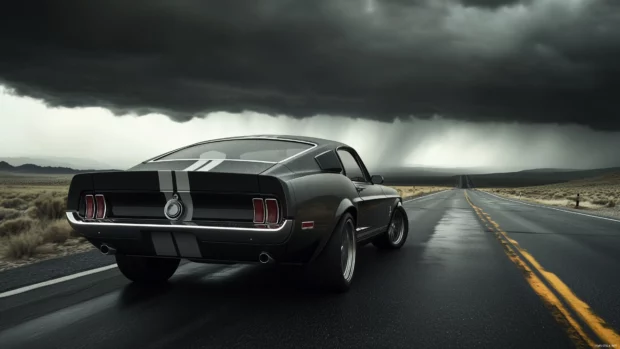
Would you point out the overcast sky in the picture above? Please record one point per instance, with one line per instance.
(519, 83)
(29, 128)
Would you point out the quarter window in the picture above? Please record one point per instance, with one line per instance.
(351, 167)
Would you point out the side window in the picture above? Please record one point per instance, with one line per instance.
(351, 168)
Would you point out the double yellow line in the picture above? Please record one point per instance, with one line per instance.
(560, 312)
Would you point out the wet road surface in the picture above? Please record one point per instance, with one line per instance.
(578, 257)
(452, 285)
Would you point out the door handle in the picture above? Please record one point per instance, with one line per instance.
(359, 188)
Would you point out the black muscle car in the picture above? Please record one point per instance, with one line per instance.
(270, 199)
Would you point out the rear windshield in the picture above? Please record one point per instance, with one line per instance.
(240, 149)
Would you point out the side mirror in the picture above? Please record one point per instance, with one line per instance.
(376, 179)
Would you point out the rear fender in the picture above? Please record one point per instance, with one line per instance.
(80, 184)
(345, 206)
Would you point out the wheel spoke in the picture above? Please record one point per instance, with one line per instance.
(344, 253)
(348, 251)
(396, 228)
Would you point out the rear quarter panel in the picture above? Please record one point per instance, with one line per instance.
(80, 184)
(318, 198)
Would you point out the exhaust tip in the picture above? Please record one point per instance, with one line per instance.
(265, 258)
(107, 250)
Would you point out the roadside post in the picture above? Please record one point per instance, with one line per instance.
(577, 201)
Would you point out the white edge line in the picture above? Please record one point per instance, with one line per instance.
(55, 281)
(426, 196)
(552, 208)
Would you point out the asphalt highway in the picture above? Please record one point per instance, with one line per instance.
(477, 271)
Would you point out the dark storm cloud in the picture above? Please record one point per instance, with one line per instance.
(552, 61)
(491, 3)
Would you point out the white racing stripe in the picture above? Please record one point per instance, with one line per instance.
(163, 244)
(55, 281)
(210, 165)
(184, 190)
(186, 243)
(165, 183)
(196, 165)
(165, 180)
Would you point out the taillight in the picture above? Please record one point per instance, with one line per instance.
(101, 206)
(266, 211)
(273, 213)
(95, 206)
(90, 207)
(259, 210)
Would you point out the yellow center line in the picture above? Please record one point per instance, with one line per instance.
(598, 325)
(595, 322)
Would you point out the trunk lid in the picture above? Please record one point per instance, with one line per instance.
(206, 195)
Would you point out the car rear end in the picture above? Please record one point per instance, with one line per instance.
(228, 217)
(182, 208)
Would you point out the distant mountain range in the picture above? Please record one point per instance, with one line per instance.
(36, 169)
(537, 177)
(57, 161)
(488, 177)
(400, 176)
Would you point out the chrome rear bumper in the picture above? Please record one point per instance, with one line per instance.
(276, 234)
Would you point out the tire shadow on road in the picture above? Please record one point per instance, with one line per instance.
(260, 283)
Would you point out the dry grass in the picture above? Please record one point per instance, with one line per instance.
(13, 202)
(601, 194)
(22, 245)
(50, 205)
(32, 180)
(16, 226)
(415, 191)
(8, 213)
(32, 223)
(57, 231)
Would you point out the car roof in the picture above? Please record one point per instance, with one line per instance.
(321, 143)
(317, 141)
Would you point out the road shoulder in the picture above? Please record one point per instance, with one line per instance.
(49, 269)
(603, 213)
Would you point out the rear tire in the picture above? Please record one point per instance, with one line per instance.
(396, 235)
(334, 268)
(147, 269)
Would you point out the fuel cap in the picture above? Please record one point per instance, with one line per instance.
(173, 209)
